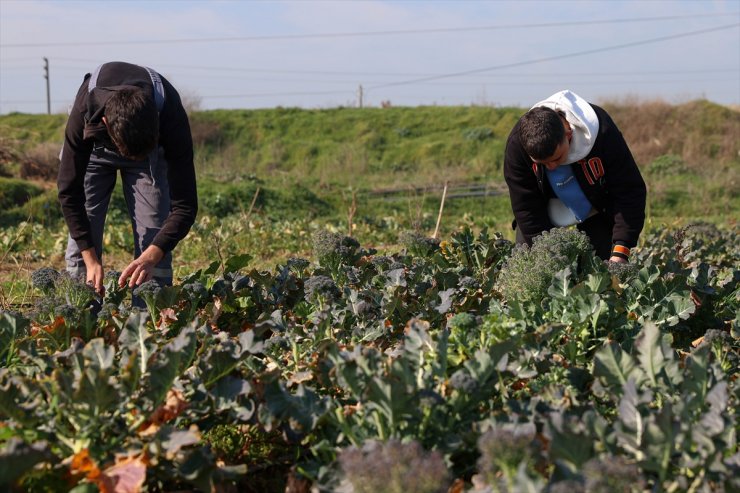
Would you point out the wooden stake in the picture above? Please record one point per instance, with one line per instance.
(351, 213)
(251, 206)
(441, 208)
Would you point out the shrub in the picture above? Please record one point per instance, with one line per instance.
(42, 162)
(16, 192)
(667, 165)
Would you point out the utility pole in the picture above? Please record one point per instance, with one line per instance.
(48, 92)
(359, 96)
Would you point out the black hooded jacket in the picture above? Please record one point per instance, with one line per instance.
(85, 128)
(608, 176)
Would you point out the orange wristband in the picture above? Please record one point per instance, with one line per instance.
(621, 251)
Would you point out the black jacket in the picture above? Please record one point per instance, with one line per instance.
(608, 176)
(85, 128)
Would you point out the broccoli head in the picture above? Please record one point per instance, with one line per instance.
(45, 279)
(320, 288)
(612, 475)
(527, 273)
(418, 244)
(334, 248)
(393, 466)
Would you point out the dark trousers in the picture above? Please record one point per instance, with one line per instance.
(146, 191)
(598, 228)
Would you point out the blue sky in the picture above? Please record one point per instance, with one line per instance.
(317, 54)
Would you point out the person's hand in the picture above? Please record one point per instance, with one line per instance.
(94, 270)
(141, 270)
(618, 260)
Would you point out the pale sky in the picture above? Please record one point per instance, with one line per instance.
(317, 54)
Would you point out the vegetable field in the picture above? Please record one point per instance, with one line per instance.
(458, 365)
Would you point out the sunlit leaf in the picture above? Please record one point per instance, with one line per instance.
(126, 476)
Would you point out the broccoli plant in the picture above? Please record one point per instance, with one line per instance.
(527, 274)
(334, 250)
(321, 291)
(508, 456)
(148, 292)
(417, 244)
(114, 293)
(394, 467)
(45, 280)
(65, 308)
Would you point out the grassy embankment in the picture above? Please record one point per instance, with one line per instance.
(309, 164)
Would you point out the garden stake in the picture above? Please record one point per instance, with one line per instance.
(441, 207)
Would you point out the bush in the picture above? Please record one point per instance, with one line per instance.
(15, 192)
(667, 165)
(42, 162)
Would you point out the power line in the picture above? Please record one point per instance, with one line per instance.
(213, 70)
(412, 74)
(484, 77)
(558, 57)
(276, 94)
(367, 33)
(352, 91)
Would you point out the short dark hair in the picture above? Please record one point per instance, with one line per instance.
(133, 122)
(541, 131)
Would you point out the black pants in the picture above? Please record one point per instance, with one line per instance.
(598, 228)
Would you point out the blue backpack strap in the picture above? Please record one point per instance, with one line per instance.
(158, 88)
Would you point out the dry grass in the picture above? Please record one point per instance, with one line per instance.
(699, 132)
(41, 162)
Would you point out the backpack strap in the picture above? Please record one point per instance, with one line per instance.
(154, 76)
(93, 81)
(158, 88)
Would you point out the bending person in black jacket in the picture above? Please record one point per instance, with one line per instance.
(127, 119)
(567, 163)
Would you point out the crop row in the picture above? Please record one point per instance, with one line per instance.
(465, 364)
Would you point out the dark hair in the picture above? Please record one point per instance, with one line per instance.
(133, 122)
(541, 131)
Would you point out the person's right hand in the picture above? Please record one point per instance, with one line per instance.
(95, 272)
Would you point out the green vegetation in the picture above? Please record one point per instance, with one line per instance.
(386, 371)
(14, 192)
(318, 336)
(528, 272)
(362, 148)
(273, 177)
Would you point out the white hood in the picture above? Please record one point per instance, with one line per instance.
(582, 119)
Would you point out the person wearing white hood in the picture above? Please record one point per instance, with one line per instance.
(566, 163)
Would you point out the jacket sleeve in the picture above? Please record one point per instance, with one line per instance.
(176, 140)
(528, 202)
(72, 166)
(627, 191)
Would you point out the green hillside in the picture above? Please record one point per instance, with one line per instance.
(314, 161)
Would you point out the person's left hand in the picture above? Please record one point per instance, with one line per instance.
(141, 269)
(618, 260)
